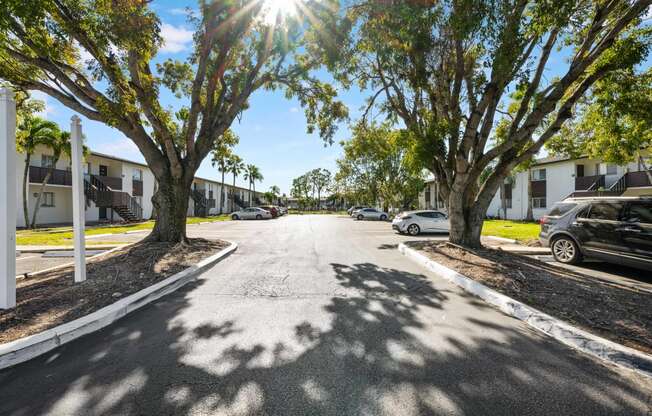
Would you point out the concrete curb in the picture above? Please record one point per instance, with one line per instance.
(561, 331)
(503, 239)
(63, 266)
(24, 349)
(43, 249)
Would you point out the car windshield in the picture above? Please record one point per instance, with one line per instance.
(561, 208)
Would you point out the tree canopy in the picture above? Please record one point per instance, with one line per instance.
(95, 57)
(446, 70)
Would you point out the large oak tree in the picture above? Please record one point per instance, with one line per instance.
(446, 71)
(96, 57)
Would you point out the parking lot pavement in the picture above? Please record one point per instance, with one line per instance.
(616, 273)
(316, 315)
(33, 262)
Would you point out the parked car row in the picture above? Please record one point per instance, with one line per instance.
(613, 229)
(366, 213)
(263, 212)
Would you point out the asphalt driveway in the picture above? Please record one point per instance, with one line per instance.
(318, 315)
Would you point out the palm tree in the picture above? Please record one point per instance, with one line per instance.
(59, 144)
(31, 132)
(221, 157)
(222, 151)
(249, 177)
(275, 191)
(235, 165)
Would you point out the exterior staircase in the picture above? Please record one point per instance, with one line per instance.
(103, 196)
(239, 202)
(628, 180)
(202, 204)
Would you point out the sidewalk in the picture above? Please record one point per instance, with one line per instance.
(513, 246)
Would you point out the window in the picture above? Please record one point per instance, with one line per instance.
(561, 208)
(47, 161)
(612, 169)
(508, 203)
(640, 212)
(538, 174)
(47, 200)
(538, 202)
(609, 211)
(137, 175)
(427, 196)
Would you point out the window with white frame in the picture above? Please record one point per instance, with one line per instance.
(538, 174)
(137, 175)
(47, 161)
(539, 202)
(47, 200)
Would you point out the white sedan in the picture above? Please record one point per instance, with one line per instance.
(415, 222)
(370, 214)
(251, 214)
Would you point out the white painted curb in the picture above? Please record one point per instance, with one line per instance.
(561, 331)
(503, 239)
(24, 349)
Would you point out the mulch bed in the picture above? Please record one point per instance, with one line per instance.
(617, 312)
(50, 299)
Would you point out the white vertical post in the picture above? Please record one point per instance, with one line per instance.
(7, 199)
(78, 201)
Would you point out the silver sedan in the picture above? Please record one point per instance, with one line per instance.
(251, 214)
(415, 222)
(370, 214)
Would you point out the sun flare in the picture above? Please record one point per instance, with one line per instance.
(275, 9)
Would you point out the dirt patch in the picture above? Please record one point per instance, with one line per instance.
(617, 312)
(50, 299)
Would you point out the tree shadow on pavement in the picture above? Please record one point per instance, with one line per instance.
(384, 352)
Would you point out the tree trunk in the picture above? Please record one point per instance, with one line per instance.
(466, 219)
(645, 168)
(529, 216)
(28, 158)
(171, 203)
(221, 193)
(503, 200)
(233, 195)
(40, 195)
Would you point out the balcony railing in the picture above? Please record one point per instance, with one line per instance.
(637, 179)
(586, 183)
(113, 183)
(59, 177)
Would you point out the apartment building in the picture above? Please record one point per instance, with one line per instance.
(554, 179)
(116, 190)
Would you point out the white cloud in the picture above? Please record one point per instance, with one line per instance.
(175, 39)
(121, 147)
(180, 11)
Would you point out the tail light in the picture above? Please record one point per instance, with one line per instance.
(543, 220)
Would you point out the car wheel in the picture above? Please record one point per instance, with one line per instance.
(413, 229)
(565, 250)
(259, 217)
(235, 217)
(383, 217)
(360, 217)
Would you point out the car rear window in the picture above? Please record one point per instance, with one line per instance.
(606, 211)
(640, 212)
(561, 208)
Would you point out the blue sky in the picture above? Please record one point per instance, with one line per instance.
(272, 131)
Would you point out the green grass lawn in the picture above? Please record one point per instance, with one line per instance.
(62, 236)
(517, 230)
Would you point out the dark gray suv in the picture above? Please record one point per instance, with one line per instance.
(617, 230)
